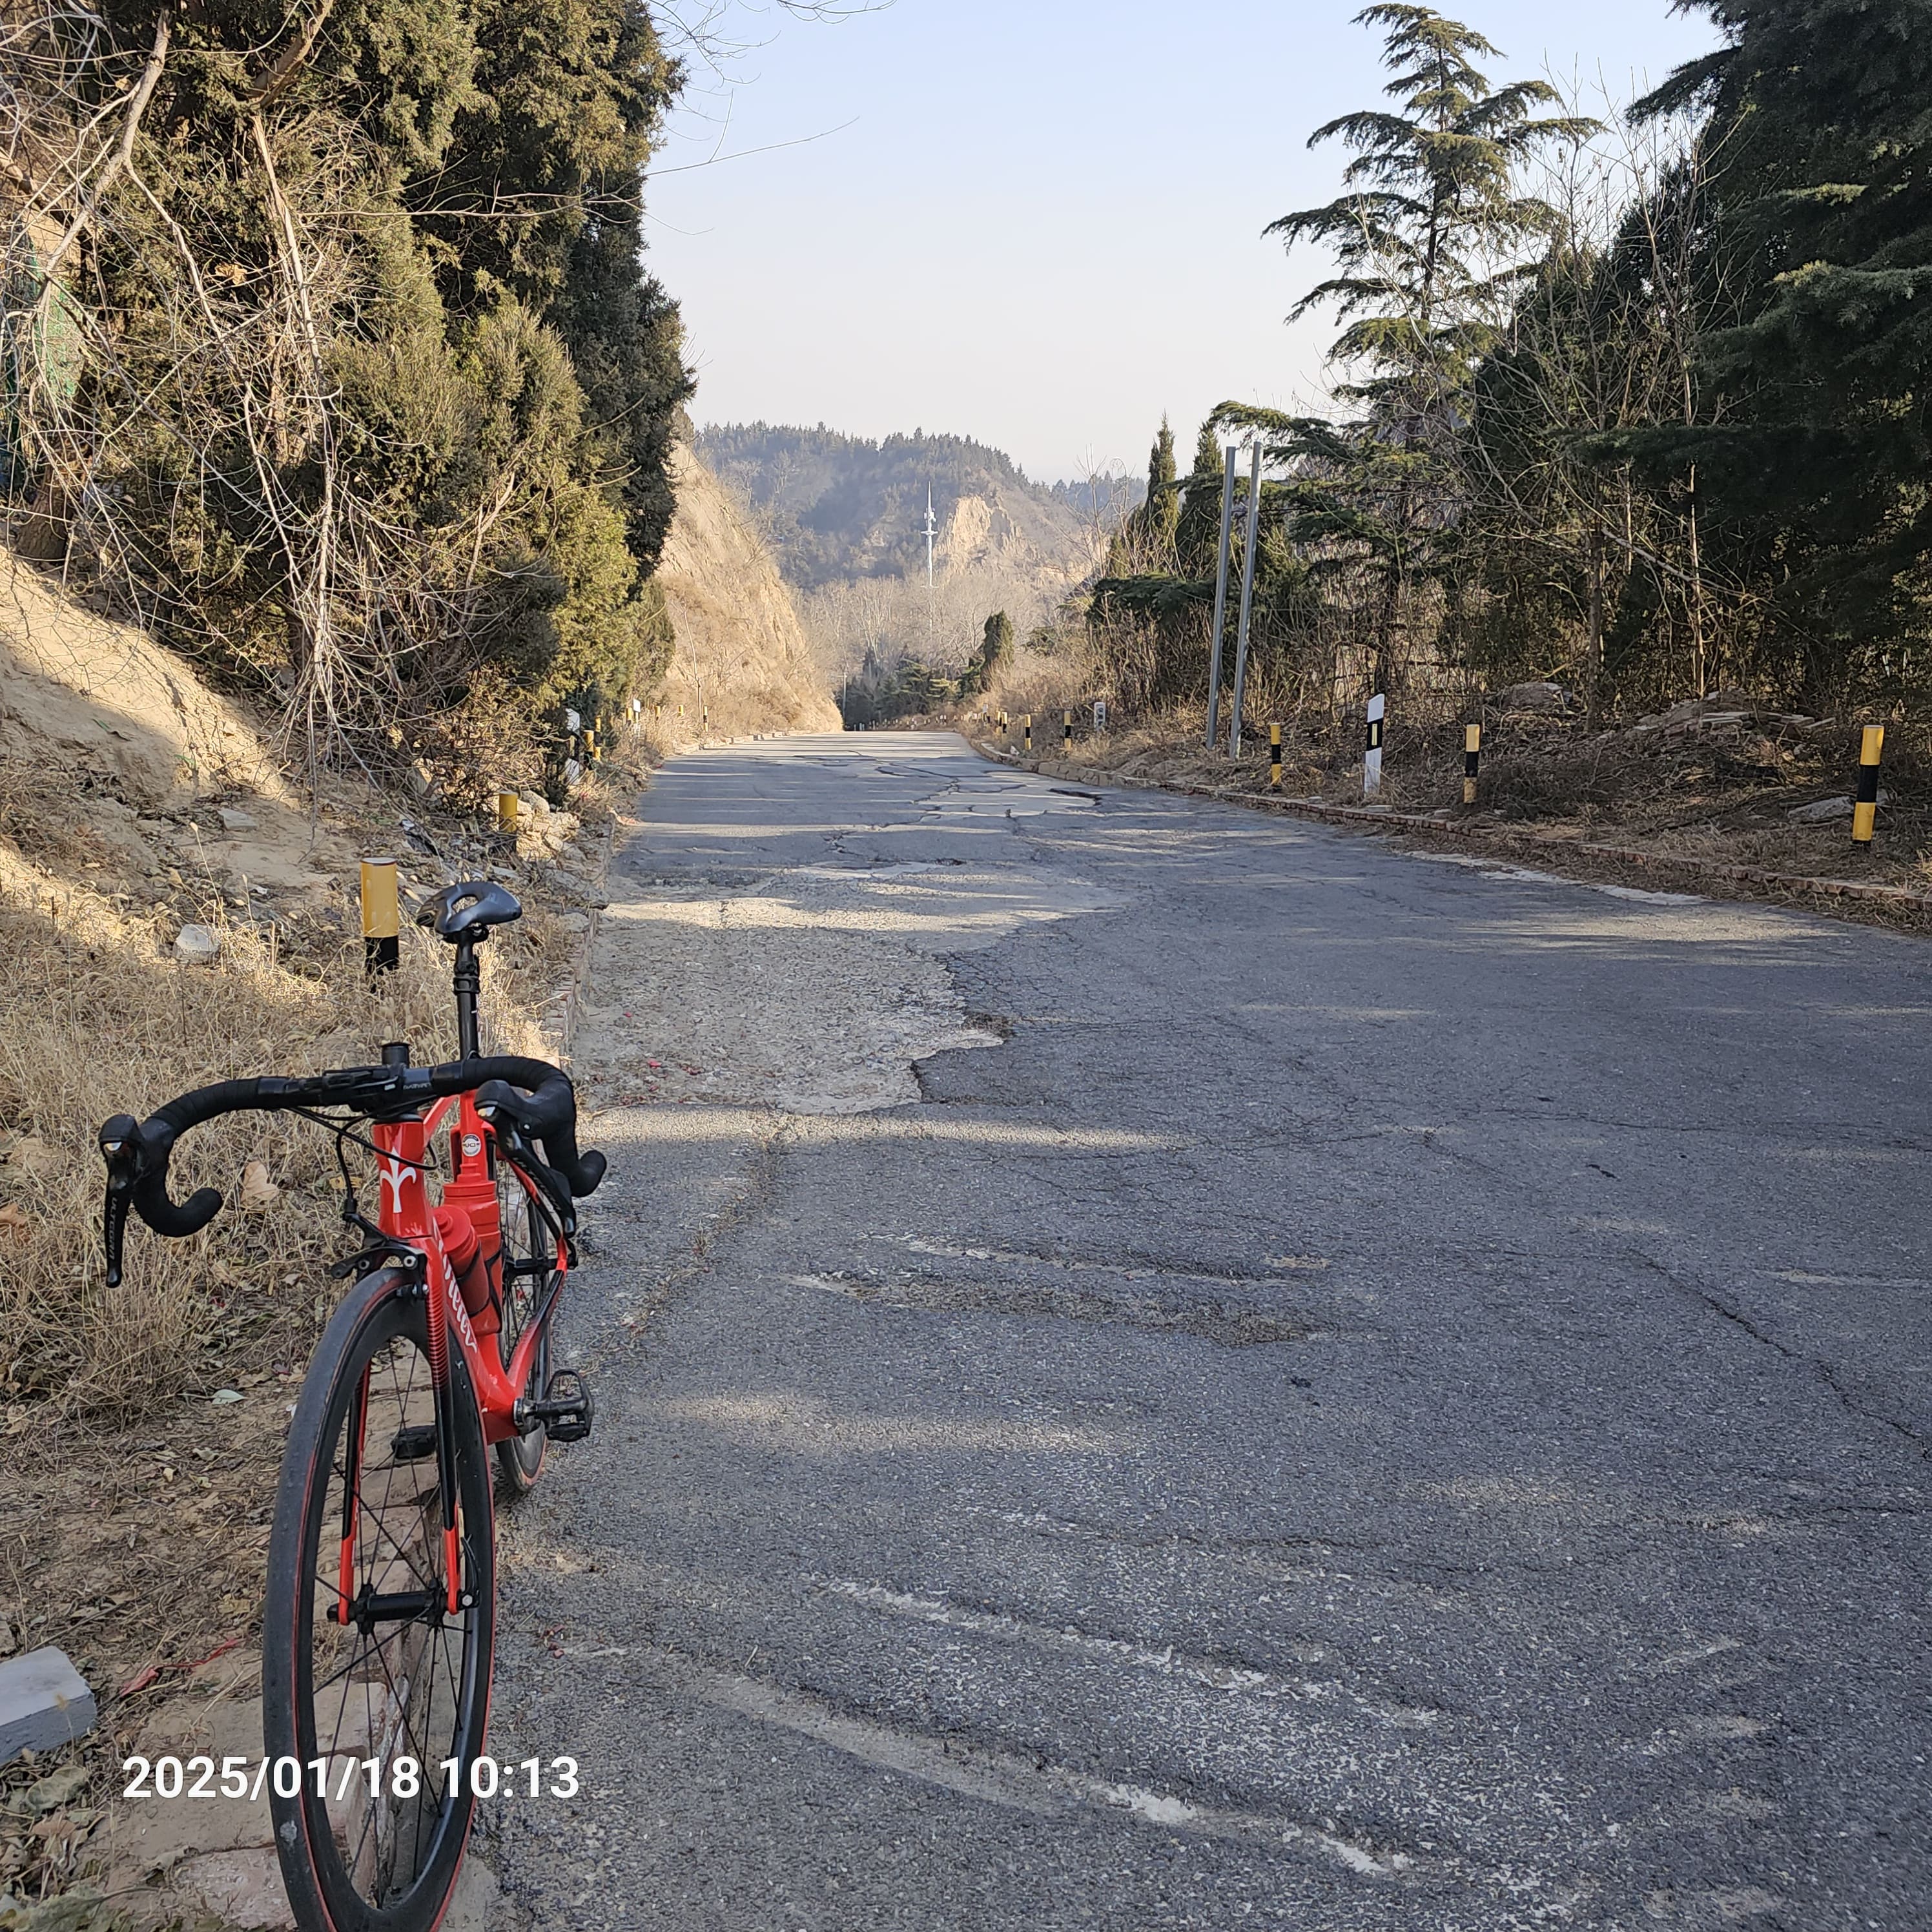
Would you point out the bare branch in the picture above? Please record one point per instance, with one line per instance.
(291, 59)
(130, 126)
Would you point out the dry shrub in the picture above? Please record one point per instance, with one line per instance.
(100, 1018)
(1045, 684)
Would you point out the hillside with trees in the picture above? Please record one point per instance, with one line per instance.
(839, 508)
(1634, 400)
(846, 516)
(331, 357)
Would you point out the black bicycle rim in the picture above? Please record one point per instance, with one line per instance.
(401, 1682)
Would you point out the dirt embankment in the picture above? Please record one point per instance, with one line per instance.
(141, 1428)
(743, 664)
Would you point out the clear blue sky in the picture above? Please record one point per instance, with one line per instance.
(1042, 227)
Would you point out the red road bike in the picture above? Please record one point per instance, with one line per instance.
(380, 1621)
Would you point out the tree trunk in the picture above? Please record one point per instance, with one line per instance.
(1695, 597)
(1593, 640)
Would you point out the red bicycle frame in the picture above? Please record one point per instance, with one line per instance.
(403, 1211)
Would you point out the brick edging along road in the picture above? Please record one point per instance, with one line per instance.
(1520, 844)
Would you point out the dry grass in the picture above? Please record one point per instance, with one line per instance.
(1722, 790)
(101, 1019)
(134, 1510)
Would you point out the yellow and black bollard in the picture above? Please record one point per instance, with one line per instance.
(1028, 728)
(1274, 757)
(1865, 809)
(1472, 756)
(382, 917)
(1066, 732)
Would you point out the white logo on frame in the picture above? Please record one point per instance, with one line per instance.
(392, 1177)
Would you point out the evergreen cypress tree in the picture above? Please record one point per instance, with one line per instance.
(500, 378)
(1144, 544)
(1820, 398)
(1197, 533)
(996, 647)
(1162, 507)
(994, 654)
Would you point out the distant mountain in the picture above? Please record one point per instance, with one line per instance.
(841, 508)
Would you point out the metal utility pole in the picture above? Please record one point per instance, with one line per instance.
(931, 532)
(1247, 600)
(1220, 600)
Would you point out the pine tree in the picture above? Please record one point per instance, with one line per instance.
(1429, 238)
(1819, 400)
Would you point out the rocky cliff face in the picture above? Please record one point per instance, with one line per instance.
(845, 518)
(742, 662)
(839, 509)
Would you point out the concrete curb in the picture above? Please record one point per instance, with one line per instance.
(1519, 844)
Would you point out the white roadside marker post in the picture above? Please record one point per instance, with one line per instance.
(1372, 757)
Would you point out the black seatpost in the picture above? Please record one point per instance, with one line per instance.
(469, 983)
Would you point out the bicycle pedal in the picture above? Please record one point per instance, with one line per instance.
(566, 1410)
(412, 1445)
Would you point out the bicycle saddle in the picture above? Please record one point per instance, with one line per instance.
(465, 914)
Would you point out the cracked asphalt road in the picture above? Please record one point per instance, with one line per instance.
(1394, 1397)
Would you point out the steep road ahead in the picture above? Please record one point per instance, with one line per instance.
(1351, 1391)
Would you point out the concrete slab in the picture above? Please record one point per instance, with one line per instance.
(44, 1703)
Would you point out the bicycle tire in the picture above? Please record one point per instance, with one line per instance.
(343, 1693)
(529, 1257)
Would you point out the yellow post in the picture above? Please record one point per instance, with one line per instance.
(382, 917)
(507, 805)
(1274, 757)
(1865, 809)
(1472, 755)
(1029, 734)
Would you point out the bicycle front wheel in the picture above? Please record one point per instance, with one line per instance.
(375, 1693)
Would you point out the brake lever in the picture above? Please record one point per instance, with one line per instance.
(121, 1152)
(511, 1143)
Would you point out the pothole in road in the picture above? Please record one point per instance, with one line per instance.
(1231, 1328)
(1129, 1267)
